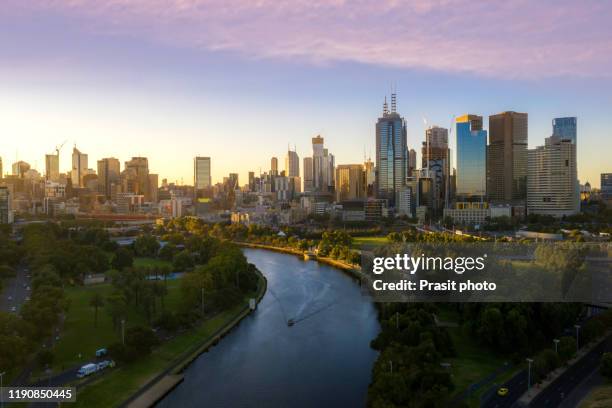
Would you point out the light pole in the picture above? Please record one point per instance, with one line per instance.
(202, 303)
(529, 360)
(556, 341)
(123, 331)
(1, 393)
(577, 338)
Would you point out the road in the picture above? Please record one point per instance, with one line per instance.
(517, 385)
(15, 291)
(556, 392)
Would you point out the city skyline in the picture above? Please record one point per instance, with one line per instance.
(103, 79)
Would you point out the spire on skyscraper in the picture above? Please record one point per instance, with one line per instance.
(385, 107)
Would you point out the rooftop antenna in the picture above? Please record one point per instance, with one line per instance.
(385, 107)
(393, 101)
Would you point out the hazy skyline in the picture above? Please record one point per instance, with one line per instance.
(238, 81)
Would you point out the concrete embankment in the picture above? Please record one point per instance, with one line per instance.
(163, 383)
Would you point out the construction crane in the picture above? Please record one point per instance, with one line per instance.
(58, 148)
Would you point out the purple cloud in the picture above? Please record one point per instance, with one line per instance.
(510, 39)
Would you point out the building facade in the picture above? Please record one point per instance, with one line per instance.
(292, 164)
(566, 128)
(551, 182)
(109, 173)
(350, 182)
(391, 153)
(202, 179)
(79, 167)
(471, 158)
(507, 157)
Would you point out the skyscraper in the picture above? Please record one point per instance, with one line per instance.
(350, 182)
(412, 162)
(471, 158)
(79, 167)
(551, 181)
(201, 174)
(391, 153)
(20, 168)
(308, 175)
(322, 166)
(565, 128)
(274, 166)
(6, 215)
(507, 157)
(436, 163)
(1, 173)
(606, 186)
(108, 175)
(292, 164)
(52, 167)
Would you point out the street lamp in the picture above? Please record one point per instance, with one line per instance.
(556, 341)
(1, 393)
(529, 360)
(577, 338)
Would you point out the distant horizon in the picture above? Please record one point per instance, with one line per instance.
(240, 81)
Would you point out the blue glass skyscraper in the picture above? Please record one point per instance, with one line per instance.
(391, 153)
(471, 158)
(565, 128)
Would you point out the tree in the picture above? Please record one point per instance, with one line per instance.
(182, 261)
(566, 348)
(146, 245)
(44, 358)
(122, 259)
(96, 302)
(606, 365)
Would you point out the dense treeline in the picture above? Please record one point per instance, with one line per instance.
(409, 370)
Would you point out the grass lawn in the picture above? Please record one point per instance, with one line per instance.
(367, 243)
(473, 363)
(600, 397)
(79, 336)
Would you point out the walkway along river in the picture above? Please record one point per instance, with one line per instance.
(322, 360)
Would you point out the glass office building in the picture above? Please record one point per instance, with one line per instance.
(391, 154)
(471, 158)
(565, 128)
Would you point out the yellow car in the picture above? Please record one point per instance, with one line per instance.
(502, 392)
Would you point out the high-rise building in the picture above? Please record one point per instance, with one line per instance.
(6, 215)
(135, 179)
(292, 164)
(391, 153)
(412, 163)
(606, 186)
(108, 175)
(370, 177)
(79, 167)
(436, 163)
(551, 180)
(565, 128)
(471, 158)
(350, 182)
(52, 167)
(274, 166)
(322, 166)
(507, 157)
(201, 174)
(20, 168)
(1, 173)
(308, 175)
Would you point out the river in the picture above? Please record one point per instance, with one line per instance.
(323, 360)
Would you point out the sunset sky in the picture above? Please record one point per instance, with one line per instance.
(239, 80)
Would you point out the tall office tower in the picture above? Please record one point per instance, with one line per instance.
(391, 153)
(350, 182)
(308, 175)
(322, 166)
(20, 168)
(565, 128)
(6, 215)
(292, 164)
(606, 186)
(435, 161)
(274, 166)
(52, 167)
(136, 175)
(1, 173)
(202, 181)
(251, 181)
(507, 157)
(108, 175)
(79, 167)
(370, 177)
(551, 181)
(471, 158)
(153, 187)
(412, 163)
